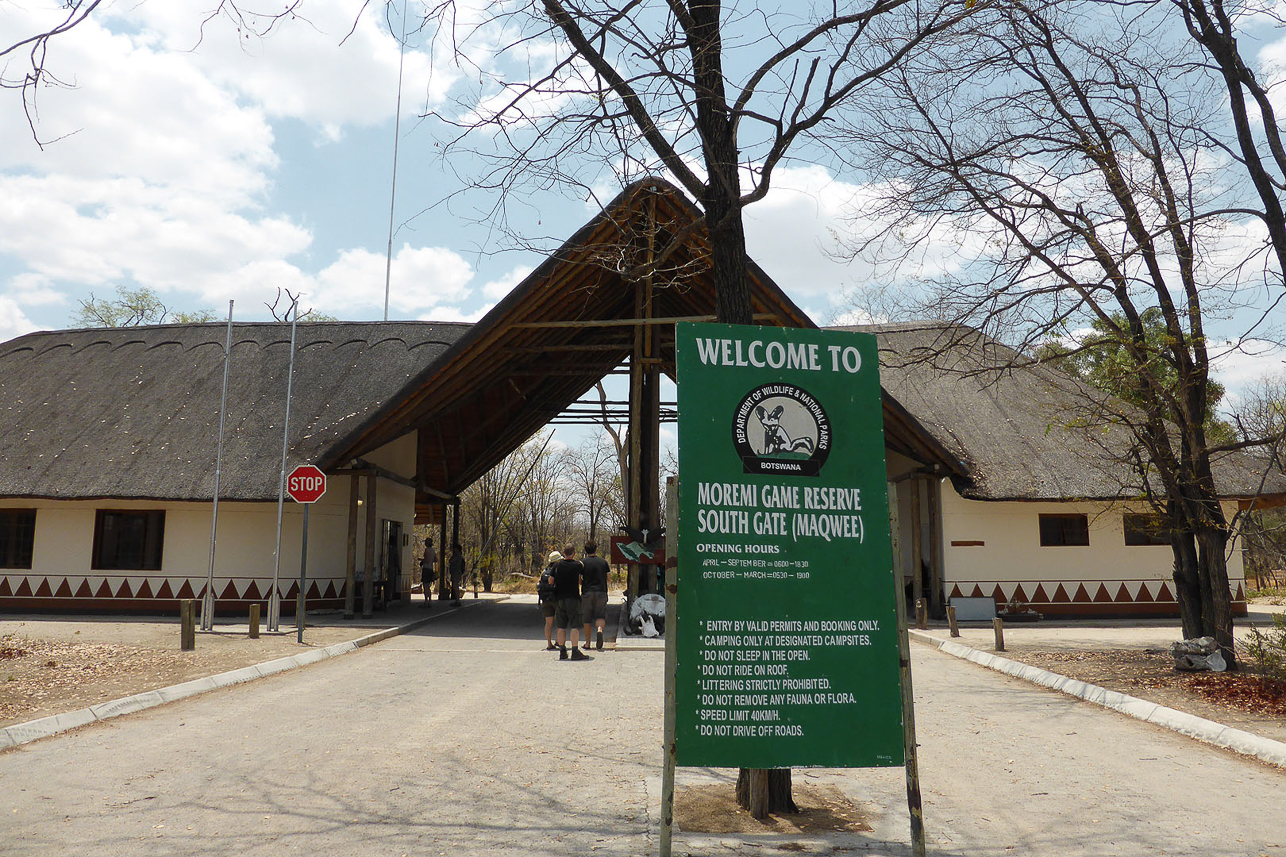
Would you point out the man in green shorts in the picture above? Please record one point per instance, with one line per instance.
(593, 603)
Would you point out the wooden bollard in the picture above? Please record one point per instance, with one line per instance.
(921, 614)
(187, 622)
(254, 621)
(951, 622)
(999, 625)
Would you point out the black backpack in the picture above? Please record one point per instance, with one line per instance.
(545, 588)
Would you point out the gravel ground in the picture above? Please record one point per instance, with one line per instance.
(50, 665)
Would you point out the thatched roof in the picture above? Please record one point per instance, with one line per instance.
(132, 413)
(574, 319)
(1025, 431)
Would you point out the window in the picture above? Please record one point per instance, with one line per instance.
(1146, 530)
(129, 540)
(17, 535)
(1064, 530)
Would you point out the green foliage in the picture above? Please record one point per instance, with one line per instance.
(131, 308)
(1266, 651)
(1274, 594)
(1104, 361)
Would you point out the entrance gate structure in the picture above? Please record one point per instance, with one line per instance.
(604, 303)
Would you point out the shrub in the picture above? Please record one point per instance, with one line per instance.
(1266, 651)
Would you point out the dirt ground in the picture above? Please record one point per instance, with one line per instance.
(1239, 700)
(52, 665)
(713, 808)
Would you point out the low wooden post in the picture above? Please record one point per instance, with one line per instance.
(921, 614)
(999, 625)
(254, 621)
(951, 621)
(187, 621)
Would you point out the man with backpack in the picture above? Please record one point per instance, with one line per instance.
(545, 598)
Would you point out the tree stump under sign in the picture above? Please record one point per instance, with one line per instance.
(761, 792)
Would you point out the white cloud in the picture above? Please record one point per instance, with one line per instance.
(13, 322)
(424, 280)
(34, 290)
(1238, 366)
(791, 234)
(138, 113)
(93, 232)
(320, 66)
(497, 289)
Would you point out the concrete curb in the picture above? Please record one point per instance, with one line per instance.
(1208, 731)
(23, 733)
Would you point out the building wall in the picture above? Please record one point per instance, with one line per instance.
(62, 577)
(394, 502)
(992, 549)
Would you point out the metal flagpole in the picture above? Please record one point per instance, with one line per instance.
(274, 603)
(397, 133)
(207, 601)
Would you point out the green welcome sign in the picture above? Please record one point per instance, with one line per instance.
(787, 635)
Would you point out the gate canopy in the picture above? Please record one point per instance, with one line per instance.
(642, 263)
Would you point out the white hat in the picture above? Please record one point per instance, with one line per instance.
(554, 556)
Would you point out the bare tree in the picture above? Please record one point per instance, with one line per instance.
(717, 98)
(1262, 413)
(595, 477)
(1075, 158)
(282, 313)
(546, 507)
(485, 505)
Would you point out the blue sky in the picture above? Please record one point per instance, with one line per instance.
(224, 167)
(221, 171)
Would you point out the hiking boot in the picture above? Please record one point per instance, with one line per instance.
(562, 653)
(578, 655)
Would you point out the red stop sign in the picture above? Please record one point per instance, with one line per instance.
(306, 484)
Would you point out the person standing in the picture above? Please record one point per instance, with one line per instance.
(546, 599)
(427, 566)
(567, 576)
(594, 600)
(456, 570)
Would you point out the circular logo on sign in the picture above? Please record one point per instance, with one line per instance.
(782, 429)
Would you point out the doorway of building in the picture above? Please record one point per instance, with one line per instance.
(392, 560)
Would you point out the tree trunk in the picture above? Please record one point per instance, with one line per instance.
(1187, 585)
(762, 791)
(759, 791)
(1211, 560)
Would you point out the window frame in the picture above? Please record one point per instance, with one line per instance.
(1063, 531)
(17, 538)
(1157, 534)
(149, 555)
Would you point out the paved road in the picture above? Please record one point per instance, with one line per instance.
(465, 738)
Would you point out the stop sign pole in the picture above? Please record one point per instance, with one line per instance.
(306, 484)
(274, 602)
